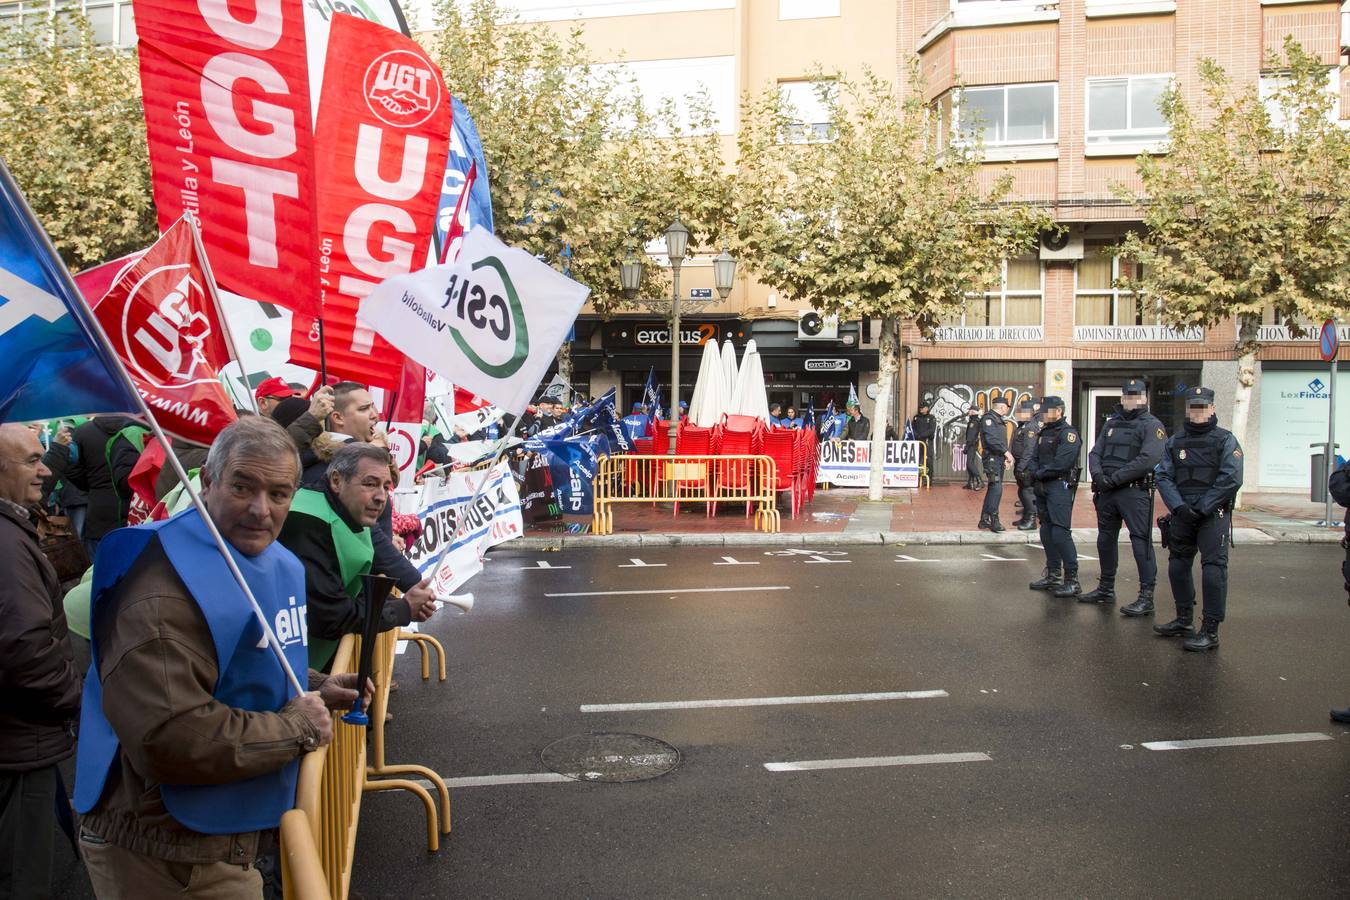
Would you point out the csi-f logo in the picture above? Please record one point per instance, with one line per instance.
(163, 329)
(490, 318)
(401, 89)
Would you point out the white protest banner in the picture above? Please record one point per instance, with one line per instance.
(493, 519)
(849, 464)
(405, 439)
(492, 321)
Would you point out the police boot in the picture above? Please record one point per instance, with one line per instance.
(1178, 627)
(984, 521)
(1142, 606)
(995, 525)
(1341, 715)
(970, 483)
(1207, 638)
(1105, 592)
(1070, 587)
(1049, 580)
(1029, 525)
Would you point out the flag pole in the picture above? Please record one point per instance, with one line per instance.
(102, 336)
(214, 294)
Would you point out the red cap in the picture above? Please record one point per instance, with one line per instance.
(274, 387)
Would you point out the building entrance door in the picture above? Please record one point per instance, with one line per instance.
(1101, 404)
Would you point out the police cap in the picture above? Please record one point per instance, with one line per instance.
(998, 399)
(1199, 396)
(1026, 406)
(1052, 402)
(1134, 386)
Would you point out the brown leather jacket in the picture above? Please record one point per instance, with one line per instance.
(158, 666)
(39, 684)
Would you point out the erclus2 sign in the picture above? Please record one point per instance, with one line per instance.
(492, 321)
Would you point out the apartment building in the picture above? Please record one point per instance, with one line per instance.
(1066, 95)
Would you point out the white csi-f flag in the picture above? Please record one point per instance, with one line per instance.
(491, 322)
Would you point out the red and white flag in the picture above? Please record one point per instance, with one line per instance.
(162, 319)
(454, 235)
(227, 113)
(384, 126)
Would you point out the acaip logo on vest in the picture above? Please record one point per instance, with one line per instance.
(290, 625)
(487, 319)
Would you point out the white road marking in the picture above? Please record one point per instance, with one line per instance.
(541, 564)
(716, 590)
(821, 559)
(796, 552)
(903, 558)
(639, 564)
(762, 701)
(868, 762)
(994, 558)
(1201, 743)
(733, 561)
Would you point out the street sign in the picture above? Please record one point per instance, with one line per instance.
(1329, 341)
(700, 293)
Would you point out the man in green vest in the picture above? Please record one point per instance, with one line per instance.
(330, 531)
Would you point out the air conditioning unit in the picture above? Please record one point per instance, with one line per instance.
(812, 326)
(1065, 245)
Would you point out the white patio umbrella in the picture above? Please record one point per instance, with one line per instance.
(709, 402)
(750, 397)
(729, 369)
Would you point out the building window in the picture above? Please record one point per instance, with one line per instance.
(807, 9)
(1009, 114)
(1126, 109)
(662, 81)
(1273, 85)
(1098, 299)
(808, 110)
(110, 20)
(1016, 301)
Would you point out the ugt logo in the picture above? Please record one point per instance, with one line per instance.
(490, 317)
(163, 329)
(401, 90)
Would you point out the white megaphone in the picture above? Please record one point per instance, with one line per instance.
(463, 601)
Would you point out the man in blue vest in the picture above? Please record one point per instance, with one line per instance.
(638, 424)
(190, 735)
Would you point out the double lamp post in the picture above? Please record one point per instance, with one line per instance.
(630, 277)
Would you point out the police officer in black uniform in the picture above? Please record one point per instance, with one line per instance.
(995, 456)
(1055, 474)
(1024, 451)
(1121, 466)
(1199, 478)
(972, 445)
(924, 426)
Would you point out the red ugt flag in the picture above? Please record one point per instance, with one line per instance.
(227, 114)
(384, 129)
(164, 324)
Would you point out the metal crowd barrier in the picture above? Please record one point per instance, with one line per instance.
(640, 478)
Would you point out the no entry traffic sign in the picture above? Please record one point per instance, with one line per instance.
(1330, 342)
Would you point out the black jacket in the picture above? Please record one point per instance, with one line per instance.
(39, 684)
(859, 429)
(109, 495)
(924, 425)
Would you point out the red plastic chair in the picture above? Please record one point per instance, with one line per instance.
(694, 441)
(778, 446)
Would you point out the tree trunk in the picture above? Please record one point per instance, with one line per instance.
(565, 362)
(888, 364)
(1246, 377)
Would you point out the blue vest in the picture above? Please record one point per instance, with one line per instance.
(635, 426)
(250, 677)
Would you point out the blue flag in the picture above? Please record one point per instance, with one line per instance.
(52, 363)
(466, 148)
(572, 464)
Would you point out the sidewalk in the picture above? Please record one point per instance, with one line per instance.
(947, 514)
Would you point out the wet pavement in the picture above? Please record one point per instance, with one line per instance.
(922, 725)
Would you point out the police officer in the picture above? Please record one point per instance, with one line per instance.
(1199, 478)
(1121, 467)
(995, 456)
(972, 446)
(924, 425)
(1024, 451)
(1055, 474)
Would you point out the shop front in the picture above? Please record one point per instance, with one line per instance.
(951, 387)
(1294, 401)
(1097, 383)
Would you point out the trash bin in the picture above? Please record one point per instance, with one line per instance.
(1318, 478)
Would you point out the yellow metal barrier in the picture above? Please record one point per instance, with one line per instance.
(383, 669)
(634, 478)
(423, 642)
(329, 797)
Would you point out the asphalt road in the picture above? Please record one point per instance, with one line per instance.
(1018, 769)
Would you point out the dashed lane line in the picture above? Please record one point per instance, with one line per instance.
(712, 590)
(762, 701)
(869, 762)
(1251, 741)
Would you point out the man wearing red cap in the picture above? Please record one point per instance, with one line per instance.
(271, 392)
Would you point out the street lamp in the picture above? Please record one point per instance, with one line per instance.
(677, 240)
(724, 273)
(630, 275)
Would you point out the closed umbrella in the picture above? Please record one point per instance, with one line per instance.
(728, 369)
(705, 410)
(754, 399)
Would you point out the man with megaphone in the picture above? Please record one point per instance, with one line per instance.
(330, 531)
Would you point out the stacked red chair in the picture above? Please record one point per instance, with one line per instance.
(779, 445)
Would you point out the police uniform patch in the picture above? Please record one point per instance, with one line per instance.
(1237, 453)
(1161, 434)
(1182, 454)
(1071, 437)
(1110, 431)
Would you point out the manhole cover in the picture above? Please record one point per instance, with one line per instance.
(610, 757)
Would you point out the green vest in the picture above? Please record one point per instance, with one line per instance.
(355, 553)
